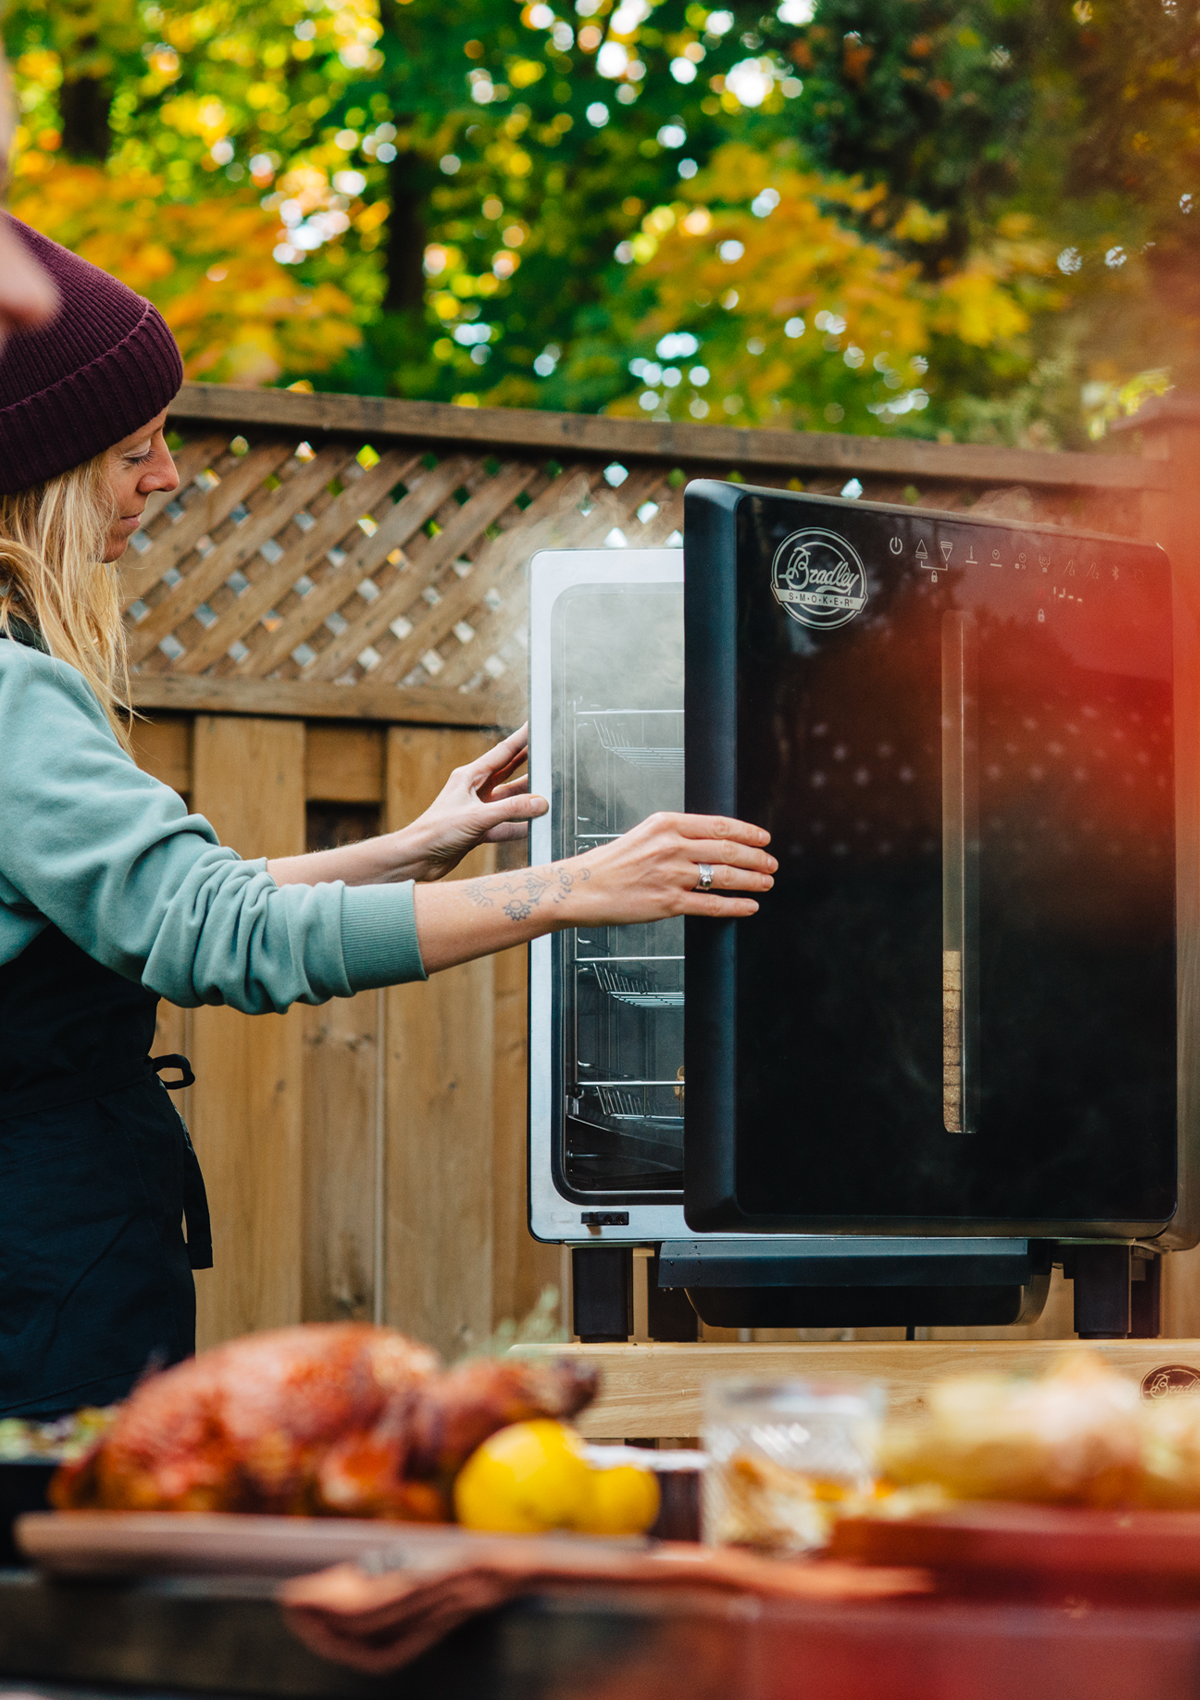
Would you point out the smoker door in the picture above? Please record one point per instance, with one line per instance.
(607, 1076)
(956, 1011)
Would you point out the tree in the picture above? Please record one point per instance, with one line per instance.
(519, 140)
(475, 180)
(1111, 165)
(75, 53)
(396, 132)
(792, 317)
(1080, 118)
(928, 98)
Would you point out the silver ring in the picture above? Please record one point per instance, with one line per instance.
(705, 882)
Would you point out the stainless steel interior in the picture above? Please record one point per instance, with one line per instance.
(622, 986)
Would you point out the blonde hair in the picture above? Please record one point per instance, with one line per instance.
(53, 577)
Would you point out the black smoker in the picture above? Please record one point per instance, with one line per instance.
(954, 1047)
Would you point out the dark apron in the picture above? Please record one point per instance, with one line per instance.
(96, 1174)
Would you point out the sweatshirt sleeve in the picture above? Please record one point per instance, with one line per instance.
(113, 859)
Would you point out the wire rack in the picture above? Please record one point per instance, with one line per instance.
(628, 989)
(620, 1104)
(615, 740)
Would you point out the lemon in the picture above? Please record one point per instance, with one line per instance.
(525, 1478)
(623, 1501)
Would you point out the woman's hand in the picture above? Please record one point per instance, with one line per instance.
(653, 871)
(648, 874)
(480, 803)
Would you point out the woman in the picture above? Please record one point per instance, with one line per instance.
(112, 896)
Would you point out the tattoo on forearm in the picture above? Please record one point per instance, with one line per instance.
(520, 894)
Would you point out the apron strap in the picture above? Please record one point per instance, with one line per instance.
(174, 1061)
(195, 1211)
(195, 1198)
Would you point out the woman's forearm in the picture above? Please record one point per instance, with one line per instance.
(649, 873)
(372, 861)
(459, 920)
(669, 865)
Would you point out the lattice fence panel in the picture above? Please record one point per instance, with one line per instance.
(397, 563)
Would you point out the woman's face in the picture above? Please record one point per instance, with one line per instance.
(136, 466)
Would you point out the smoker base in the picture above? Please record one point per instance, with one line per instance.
(858, 1281)
(867, 1307)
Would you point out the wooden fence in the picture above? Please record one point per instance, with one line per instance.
(328, 615)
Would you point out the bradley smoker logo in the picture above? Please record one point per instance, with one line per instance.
(818, 579)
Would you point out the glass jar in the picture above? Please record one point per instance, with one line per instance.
(783, 1456)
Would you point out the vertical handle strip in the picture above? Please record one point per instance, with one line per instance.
(960, 874)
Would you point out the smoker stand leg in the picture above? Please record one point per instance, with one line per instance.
(669, 1313)
(1145, 1299)
(602, 1293)
(1101, 1275)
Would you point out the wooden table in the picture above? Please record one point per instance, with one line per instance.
(655, 1391)
(183, 1637)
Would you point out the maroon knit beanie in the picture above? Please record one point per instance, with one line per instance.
(104, 365)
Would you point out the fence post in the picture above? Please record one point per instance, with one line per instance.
(248, 779)
(439, 1104)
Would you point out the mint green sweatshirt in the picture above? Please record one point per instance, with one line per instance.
(113, 859)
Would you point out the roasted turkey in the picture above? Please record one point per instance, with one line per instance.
(332, 1419)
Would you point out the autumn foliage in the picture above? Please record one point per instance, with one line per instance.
(983, 213)
(238, 315)
(802, 319)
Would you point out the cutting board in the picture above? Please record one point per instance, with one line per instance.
(110, 1543)
(1036, 1548)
